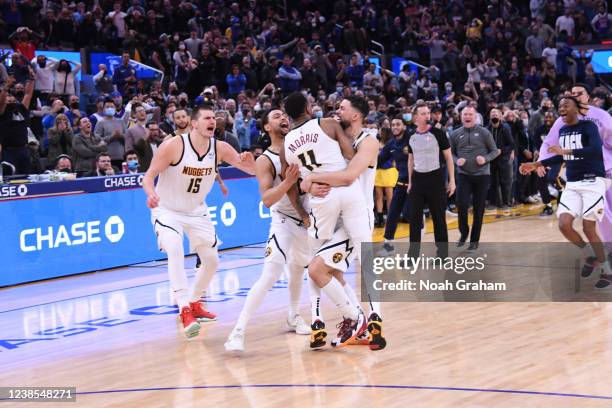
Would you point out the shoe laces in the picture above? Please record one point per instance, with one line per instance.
(344, 325)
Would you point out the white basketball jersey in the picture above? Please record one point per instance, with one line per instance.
(283, 206)
(367, 178)
(314, 151)
(183, 187)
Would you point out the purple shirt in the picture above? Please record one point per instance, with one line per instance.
(601, 118)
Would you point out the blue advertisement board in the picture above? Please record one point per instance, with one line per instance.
(397, 63)
(63, 235)
(112, 61)
(602, 61)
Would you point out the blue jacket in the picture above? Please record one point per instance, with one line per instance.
(235, 84)
(396, 149)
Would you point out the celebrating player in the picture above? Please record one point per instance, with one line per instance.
(187, 167)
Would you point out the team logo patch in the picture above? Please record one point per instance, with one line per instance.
(268, 251)
(337, 257)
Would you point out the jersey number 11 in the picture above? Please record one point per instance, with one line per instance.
(309, 160)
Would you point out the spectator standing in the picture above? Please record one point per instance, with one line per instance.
(65, 78)
(44, 70)
(289, 77)
(124, 75)
(500, 192)
(137, 131)
(112, 131)
(60, 137)
(236, 82)
(473, 148)
(86, 146)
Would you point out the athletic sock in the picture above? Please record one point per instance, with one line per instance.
(334, 290)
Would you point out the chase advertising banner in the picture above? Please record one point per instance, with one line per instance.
(63, 235)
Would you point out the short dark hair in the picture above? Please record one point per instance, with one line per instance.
(195, 114)
(295, 105)
(128, 152)
(152, 122)
(101, 155)
(573, 99)
(360, 104)
(265, 117)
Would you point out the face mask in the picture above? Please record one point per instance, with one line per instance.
(339, 89)
(64, 170)
(544, 108)
(183, 103)
(407, 117)
(495, 121)
(42, 64)
(133, 164)
(109, 111)
(74, 105)
(525, 122)
(182, 47)
(19, 95)
(318, 114)
(434, 91)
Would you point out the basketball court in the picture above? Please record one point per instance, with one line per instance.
(115, 336)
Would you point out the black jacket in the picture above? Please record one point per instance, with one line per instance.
(503, 140)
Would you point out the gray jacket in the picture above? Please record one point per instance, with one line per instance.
(467, 143)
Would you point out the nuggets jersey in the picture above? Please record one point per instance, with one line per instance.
(309, 147)
(182, 187)
(283, 206)
(367, 178)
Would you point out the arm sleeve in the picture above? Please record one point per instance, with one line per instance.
(551, 139)
(590, 140)
(552, 160)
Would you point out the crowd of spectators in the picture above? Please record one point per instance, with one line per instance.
(510, 60)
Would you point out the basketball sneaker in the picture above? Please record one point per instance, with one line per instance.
(590, 264)
(349, 330)
(377, 340)
(298, 325)
(235, 341)
(604, 282)
(318, 334)
(201, 314)
(191, 327)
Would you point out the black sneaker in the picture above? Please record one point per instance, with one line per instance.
(473, 246)
(548, 210)
(318, 335)
(604, 282)
(377, 340)
(590, 264)
(461, 242)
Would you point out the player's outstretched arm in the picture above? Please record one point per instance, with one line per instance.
(366, 154)
(243, 161)
(169, 152)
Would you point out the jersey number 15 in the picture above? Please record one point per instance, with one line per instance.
(194, 185)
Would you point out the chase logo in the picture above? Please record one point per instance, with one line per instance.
(11, 190)
(114, 229)
(37, 239)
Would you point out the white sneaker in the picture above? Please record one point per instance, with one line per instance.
(298, 325)
(235, 341)
(531, 200)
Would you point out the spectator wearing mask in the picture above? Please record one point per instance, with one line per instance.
(14, 116)
(137, 131)
(551, 175)
(65, 78)
(131, 159)
(473, 148)
(63, 164)
(523, 154)
(103, 167)
(44, 69)
(147, 147)
(86, 146)
(167, 125)
(74, 113)
(112, 131)
(500, 192)
(60, 137)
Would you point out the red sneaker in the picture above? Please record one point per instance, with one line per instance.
(200, 313)
(190, 324)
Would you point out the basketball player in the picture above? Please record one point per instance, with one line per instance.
(288, 234)
(187, 167)
(319, 146)
(352, 113)
(603, 121)
(580, 146)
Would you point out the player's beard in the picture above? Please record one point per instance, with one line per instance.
(345, 124)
